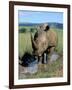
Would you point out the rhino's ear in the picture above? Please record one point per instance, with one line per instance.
(47, 28)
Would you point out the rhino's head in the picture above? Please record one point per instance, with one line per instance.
(43, 27)
(39, 43)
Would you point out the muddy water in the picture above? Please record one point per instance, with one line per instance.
(32, 68)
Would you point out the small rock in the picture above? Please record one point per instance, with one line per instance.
(54, 57)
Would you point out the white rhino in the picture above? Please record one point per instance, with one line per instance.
(44, 39)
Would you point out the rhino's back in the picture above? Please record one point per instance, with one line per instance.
(52, 37)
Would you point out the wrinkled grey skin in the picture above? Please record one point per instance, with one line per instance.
(45, 40)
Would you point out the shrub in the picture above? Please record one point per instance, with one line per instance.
(23, 30)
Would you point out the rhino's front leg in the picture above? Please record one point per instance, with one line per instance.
(39, 59)
(45, 58)
(36, 57)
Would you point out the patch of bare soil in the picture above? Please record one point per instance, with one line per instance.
(51, 69)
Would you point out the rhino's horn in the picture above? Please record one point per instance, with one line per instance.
(34, 45)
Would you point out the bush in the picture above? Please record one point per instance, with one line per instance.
(23, 30)
(32, 30)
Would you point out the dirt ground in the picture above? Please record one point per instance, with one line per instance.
(54, 69)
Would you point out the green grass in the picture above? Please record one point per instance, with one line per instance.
(49, 70)
(46, 71)
(25, 42)
(59, 47)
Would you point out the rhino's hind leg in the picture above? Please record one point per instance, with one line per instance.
(53, 55)
(52, 50)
